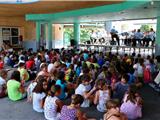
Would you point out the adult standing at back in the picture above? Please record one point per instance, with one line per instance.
(138, 36)
(114, 34)
(152, 36)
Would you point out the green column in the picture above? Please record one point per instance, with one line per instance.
(76, 33)
(157, 49)
(38, 34)
(49, 40)
(158, 31)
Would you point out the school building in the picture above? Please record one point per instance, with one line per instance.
(36, 21)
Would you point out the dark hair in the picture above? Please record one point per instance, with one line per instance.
(71, 66)
(101, 82)
(85, 70)
(92, 66)
(126, 77)
(136, 60)
(77, 99)
(78, 64)
(112, 104)
(85, 78)
(84, 65)
(21, 64)
(54, 89)
(39, 57)
(151, 61)
(16, 76)
(133, 54)
(3, 73)
(141, 60)
(39, 86)
(61, 76)
(131, 94)
(94, 59)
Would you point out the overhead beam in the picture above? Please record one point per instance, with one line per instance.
(88, 11)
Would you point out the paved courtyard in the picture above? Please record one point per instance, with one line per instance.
(22, 110)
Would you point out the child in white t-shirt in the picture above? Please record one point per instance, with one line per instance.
(39, 95)
(85, 90)
(31, 87)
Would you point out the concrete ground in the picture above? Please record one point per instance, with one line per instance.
(21, 110)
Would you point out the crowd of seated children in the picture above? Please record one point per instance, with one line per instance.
(87, 78)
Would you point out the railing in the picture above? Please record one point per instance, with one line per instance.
(120, 49)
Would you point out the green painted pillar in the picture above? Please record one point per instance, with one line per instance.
(157, 49)
(38, 34)
(76, 33)
(49, 40)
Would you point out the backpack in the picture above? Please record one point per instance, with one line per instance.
(147, 75)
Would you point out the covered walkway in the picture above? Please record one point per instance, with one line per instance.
(124, 10)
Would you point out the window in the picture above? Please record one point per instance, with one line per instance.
(10, 35)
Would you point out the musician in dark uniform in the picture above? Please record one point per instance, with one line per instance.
(114, 34)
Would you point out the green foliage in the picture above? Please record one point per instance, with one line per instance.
(70, 32)
(85, 34)
(145, 28)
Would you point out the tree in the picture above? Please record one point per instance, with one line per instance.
(145, 28)
(70, 32)
(85, 34)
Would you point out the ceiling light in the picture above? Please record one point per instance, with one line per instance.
(152, 2)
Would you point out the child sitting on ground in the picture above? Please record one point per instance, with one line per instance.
(53, 104)
(121, 87)
(72, 112)
(113, 111)
(31, 87)
(132, 104)
(61, 82)
(43, 70)
(102, 95)
(39, 94)
(3, 87)
(23, 72)
(15, 87)
(85, 90)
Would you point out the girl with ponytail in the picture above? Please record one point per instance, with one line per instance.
(53, 104)
(132, 104)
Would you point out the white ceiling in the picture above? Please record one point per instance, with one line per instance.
(147, 11)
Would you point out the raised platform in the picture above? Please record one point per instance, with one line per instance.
(120, 49)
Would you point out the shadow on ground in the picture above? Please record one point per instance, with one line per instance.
(22, 110)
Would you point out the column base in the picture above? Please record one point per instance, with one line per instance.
(49, 45)
(157, 50)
